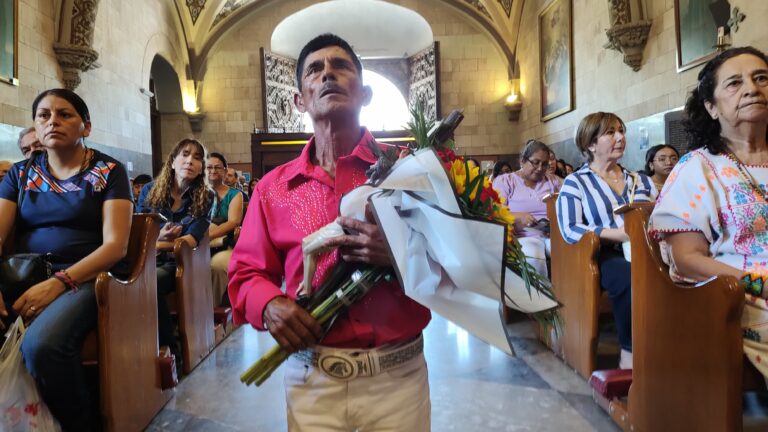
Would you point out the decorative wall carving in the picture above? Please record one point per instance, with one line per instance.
(736, 18)
(83, 22)
(480, 7)
(74, 50)
(229, 7)
(626, 35)
(423, 81)
(507, 6)
(279, 73)
(195, 7)
(619, 12)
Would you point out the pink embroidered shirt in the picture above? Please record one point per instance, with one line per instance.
(289, 203)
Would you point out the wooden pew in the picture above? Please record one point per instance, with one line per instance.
(129, 376)
(575, 279)
(194, 301)
(124, 345)
(687, 345)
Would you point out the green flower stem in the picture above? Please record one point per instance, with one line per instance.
(352, 290)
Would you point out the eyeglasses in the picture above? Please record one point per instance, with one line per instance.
(664, 159)
(214, 168)
(539, 164)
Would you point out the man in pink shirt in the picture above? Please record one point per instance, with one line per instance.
(368, 372)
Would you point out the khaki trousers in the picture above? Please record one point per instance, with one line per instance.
(396, 400)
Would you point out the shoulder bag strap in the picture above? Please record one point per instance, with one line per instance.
(23, 179)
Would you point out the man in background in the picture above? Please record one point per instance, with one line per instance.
(28, 142)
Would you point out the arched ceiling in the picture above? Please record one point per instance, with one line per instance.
(374, 28)
(204, 22)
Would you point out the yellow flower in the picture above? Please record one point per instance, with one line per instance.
(458, 175)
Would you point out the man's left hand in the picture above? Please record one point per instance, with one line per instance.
(367, 246)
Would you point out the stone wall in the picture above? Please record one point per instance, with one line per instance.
(127, 36)
(602, 82)
(473, 77)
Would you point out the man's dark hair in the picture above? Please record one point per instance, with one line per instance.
(142, 179)
(320, 42)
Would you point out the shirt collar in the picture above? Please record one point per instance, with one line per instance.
(306, 168)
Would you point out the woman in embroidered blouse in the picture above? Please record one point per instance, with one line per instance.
(181, 195)
(227, 215)
(659, 161)
(523, 191)
(711, 215)
(76, 204)
(586, 203)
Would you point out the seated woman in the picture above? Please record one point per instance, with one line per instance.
(179, 194)
(523, 192)
(711, 215)
(586, 203)
(501, 167)
(76, 205)
(552, 163)
(659, 161)
(227, 215)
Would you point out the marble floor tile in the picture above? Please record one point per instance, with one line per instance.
(473, 386)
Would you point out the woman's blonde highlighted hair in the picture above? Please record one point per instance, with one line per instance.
(160, 194)
(591, 128)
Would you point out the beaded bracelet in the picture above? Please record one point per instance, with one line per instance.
(754, 283)
(66, 279)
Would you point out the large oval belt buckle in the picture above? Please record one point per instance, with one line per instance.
(338, 366)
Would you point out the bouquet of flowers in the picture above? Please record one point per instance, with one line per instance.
(451, 236)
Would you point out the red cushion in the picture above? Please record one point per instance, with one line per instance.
(611, 384)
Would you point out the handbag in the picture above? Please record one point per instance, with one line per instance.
(19, 272)
(21, 407)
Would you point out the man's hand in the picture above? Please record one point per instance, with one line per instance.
(291, 326)
(37, 298)
(367, 246)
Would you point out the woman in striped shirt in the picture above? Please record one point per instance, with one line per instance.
(586, 203)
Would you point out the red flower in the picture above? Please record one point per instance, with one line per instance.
(32, 408)
(447, 155)
(489, 193)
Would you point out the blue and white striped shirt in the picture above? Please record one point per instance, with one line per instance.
(586, 202)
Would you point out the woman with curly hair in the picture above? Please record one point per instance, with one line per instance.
(181, 195)
(712, 216)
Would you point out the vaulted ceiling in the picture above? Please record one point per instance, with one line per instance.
(205, 22)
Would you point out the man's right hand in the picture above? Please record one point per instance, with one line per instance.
(291, 326)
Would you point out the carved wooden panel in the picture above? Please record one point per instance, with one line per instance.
(424, 84)
(279, 84)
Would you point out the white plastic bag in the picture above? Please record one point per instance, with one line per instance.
(21, 408)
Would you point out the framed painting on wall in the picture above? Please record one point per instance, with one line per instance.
(9, 34)
(556, 59)
(696, 32)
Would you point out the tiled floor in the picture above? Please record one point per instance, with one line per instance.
(473, 387)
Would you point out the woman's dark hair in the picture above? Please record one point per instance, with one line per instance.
(591, 128)
(218, 156)
(77, 102)
(650, 155)
(532, 147)
(702, 129)
(498, 166)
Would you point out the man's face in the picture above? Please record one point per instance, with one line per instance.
(331, 86)
(29, 143)
(231, 177)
